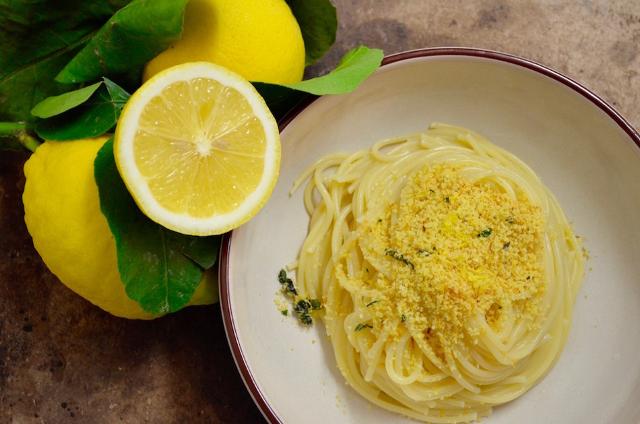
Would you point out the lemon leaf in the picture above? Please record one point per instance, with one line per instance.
(281, 99)
(353, 69)
(55, 105)
(131, 37)
(14, 136)
(202, 250)
(95, 117)
(160, 269)
(37, 39)
(318, 24)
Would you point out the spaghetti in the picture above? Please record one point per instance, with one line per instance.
(447, 270)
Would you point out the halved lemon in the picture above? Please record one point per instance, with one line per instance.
(198, 149)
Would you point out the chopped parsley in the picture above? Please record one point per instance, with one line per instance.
(373, 302)
(485, 233)
(286, 284)
(362, 326)
(446, 199)
(510, 220)
(506, 245)
(302, 311)
(403, 317)
(399, 257)
(302, 308)
(282, 276)
(423, 252)
(315, 304)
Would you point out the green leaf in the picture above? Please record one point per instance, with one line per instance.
(22, 89)
(55, 105)
(14, 136)
(37, 39)
(280, 99)
(202, 250)
(11, 128)
(134, 35)
(94, 117)
(318, 23)
(157, 266)
(353, 69)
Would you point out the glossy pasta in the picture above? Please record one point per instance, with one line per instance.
(387, 356)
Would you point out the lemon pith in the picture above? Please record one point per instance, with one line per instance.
(198, 149)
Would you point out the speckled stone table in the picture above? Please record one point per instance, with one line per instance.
(63, 360)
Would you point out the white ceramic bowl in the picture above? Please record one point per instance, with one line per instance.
(580, 147)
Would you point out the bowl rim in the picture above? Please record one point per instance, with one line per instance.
(225, 247)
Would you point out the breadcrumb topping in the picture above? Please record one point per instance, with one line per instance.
(451, 253)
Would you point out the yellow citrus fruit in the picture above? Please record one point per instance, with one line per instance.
(258, 39)
(62, 213)
(198, 149)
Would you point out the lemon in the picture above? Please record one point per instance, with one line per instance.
(258, 39)
(62, 213)
(198, 149)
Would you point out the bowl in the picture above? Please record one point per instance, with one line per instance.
(582, 149)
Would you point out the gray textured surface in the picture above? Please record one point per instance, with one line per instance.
(63, 360)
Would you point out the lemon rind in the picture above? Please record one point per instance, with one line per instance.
(137, 184)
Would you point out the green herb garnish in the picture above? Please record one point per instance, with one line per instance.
(282, 276)
(446, 199)
(315, 304)
(423, 252)
(403, 317)
(506, 245)
(302, 311)
(399, 257)
(302, 307)
(362, 326)
(485, 233)
(284, 312)
(286, 283)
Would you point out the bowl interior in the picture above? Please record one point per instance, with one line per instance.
(581, 154)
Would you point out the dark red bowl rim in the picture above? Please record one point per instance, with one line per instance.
(223, 270)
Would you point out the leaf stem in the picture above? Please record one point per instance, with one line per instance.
(18, 131)
(28, 141)
(11, 128)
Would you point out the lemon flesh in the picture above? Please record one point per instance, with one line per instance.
(258, 39)
(62, 213)
(198, 149)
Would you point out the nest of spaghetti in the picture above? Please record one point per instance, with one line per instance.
(448, 272)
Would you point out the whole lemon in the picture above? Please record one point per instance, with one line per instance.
(258, 39)
(62, 213)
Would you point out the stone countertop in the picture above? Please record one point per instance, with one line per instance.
(64, 360)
